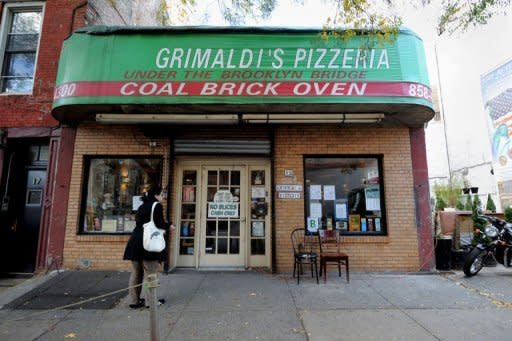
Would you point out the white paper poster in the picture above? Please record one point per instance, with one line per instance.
(316, 210)
(136, 202)
(329, 192)
(258, 229)
(373, 205)
(258, 192)
(341, 211)
(315, 192)
(372, 199)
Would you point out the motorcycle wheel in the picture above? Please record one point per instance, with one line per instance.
(474, 262)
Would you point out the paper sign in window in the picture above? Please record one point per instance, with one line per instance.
(329, 192)
(313, 224)
(258, 229)
(315, 210)
(315, 192)
(372, 195)
(341, 211)
(258, 192)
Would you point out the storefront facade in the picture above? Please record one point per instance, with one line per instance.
(252, 132)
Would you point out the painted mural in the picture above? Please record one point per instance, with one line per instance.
(496, 86)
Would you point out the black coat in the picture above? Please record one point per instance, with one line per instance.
(134, 250)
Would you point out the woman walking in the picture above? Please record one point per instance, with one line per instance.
(145, 262)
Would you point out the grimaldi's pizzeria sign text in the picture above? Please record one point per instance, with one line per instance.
(238, 68)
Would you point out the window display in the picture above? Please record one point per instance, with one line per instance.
(345, 193)
(112, 192)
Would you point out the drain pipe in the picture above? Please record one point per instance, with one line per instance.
(5, 198)
(3, 145)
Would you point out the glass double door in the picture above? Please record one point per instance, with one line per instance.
(222, 213)
(212, 216)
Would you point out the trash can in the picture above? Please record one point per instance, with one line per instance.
(443, 248)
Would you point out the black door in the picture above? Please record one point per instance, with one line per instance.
(20, 213)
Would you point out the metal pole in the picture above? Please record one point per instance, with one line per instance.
(152, 283)
(443, 115)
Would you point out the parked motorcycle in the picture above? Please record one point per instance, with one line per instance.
(494, 241)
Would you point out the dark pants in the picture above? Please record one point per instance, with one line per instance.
(147, 267)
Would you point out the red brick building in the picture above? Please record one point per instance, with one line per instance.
(35, 149)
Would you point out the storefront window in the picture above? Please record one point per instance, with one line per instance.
(112, 192)
(345, 193)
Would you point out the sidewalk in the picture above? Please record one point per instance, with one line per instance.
(261, 306)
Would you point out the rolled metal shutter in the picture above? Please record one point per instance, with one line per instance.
(250, 147)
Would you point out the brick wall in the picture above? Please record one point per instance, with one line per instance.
(35, 110)
(104, 251)
(398, 250)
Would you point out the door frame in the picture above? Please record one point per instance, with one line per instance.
(208, 260)
(197, 163)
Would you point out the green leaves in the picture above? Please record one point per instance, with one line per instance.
(353, 17)
(349, 17)
(461, 15)
(236, 12)
(490, 205)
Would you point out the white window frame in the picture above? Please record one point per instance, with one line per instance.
(7, 15)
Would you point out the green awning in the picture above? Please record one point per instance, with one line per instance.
(204, 70)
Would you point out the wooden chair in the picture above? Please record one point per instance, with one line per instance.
(330, 252)
(303, 252)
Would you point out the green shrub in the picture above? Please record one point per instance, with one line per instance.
(440, 203)
(459, 205)
(468, 206)
(476, 202)
(478, 222)
(508, 214)
(490, 206)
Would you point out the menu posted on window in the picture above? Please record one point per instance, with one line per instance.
(372, 196)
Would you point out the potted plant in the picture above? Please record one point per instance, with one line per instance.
(440, 203)
(449, 192)
(447, 196)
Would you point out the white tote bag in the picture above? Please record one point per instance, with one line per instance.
(153, 237)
